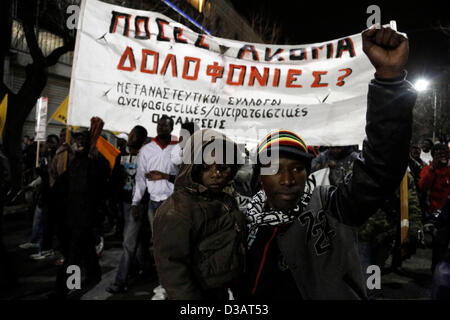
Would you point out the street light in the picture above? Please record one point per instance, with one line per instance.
(421, 84)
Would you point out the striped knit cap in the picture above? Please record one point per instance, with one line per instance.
(285, 141)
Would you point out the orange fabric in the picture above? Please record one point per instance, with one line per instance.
(107, 150)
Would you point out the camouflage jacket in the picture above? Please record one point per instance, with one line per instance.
(381, 228)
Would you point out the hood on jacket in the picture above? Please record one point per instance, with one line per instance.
(199, 150)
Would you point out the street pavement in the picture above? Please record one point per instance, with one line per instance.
(35, 279)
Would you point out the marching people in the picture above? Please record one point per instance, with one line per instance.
(64, 155)
(435, 180)
(43, 224)
(45, 201)
(38, 237)
(379, 237)
(136, 237)
(199, 232)
(306, 247)
(155, 174)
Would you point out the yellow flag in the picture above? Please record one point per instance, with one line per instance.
(60, 114)
(3, 111)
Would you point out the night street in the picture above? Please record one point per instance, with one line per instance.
(37, 278)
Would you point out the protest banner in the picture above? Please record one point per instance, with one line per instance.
(131, 67)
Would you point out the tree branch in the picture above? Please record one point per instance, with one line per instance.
(33, 46)
(53, 57)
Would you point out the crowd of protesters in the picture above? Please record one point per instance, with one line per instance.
(305, 225)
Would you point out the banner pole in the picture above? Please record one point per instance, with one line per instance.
(404, 218)
(66, 153)
(37, 153)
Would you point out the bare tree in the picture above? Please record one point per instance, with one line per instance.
(21, 103)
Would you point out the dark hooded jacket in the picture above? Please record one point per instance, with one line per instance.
(199, 238)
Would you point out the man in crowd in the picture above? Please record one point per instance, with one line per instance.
(425, 155)
(39, 238)
(136, 237)
(155, 174)
(82, 189)
(435, 178)
(26, 142)
(308, 249)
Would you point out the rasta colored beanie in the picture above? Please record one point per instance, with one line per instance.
(286, 142)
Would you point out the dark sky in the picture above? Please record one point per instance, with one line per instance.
(315, 21)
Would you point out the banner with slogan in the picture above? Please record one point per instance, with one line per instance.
(132, 66)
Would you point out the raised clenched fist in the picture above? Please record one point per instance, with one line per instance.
(387, 50)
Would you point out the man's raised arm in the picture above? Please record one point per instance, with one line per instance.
(378, 171)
